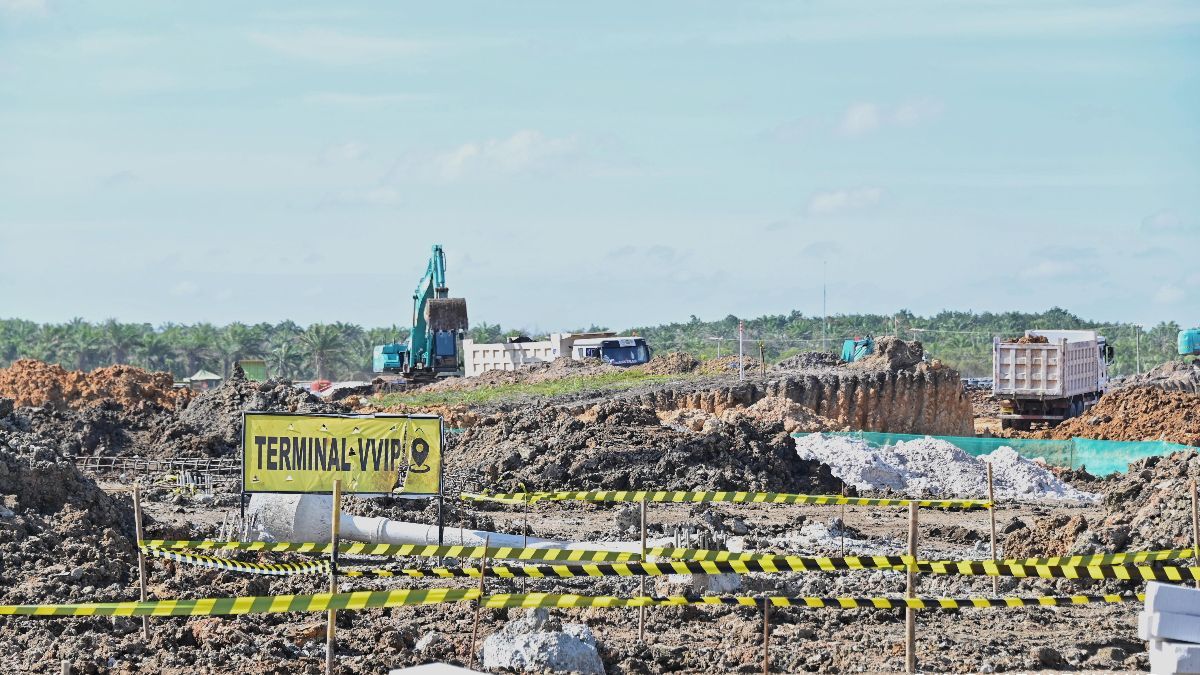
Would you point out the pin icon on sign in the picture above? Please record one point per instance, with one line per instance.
(419, 451)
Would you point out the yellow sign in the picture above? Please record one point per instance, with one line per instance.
(305, 453)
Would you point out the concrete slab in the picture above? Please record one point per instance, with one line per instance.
(1169, 626)
(1172, 598)
(1174, 658)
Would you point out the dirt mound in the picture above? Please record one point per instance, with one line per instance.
(211, 425)
(618, 446)
(1030, 340)
(33, 383)
(810, 361)
(728, 365)
(773, 410)
(673, 363)
(1145, 509)
(61, 536)
(558, 369)
(892, 354)
(1171, 376)
(1137, 414)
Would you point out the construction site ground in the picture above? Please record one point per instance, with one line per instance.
(65, 538)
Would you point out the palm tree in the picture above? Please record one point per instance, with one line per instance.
(325, 345)
(120, 339)
(199, 344)
(239, 341)
(154, 351)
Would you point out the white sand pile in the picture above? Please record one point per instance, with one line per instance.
(931, 467)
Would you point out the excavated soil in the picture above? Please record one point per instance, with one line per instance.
(1136, 414)
(1172, 376)
(619, 446)
(892, 354)
(211, 425)
(810, 360)
(673, 363)
(1147, 508)
(36, 384)
(922, 400)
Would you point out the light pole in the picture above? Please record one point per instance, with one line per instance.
(1137, 349)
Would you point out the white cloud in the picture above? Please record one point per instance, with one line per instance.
(344, 152)
(1168, 294)
(23, 6)
(1164, 222)
(352, 99)
(184, 289)
(859, 119)
(338, 48)
(1050, 269)
(524, 151)
(863, 118)
(839, 200)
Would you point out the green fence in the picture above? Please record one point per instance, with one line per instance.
(1101, 458)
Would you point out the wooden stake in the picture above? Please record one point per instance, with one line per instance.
(335, 530)
(1196, 527)
(642, 609)
(992, 499)
(66, 667)
(910, 614)
(137, 526)
(525, 531)
(842, 529)
(479, 607)
(766, 636)
(762, 359)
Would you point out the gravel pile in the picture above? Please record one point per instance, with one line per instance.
(932, 467)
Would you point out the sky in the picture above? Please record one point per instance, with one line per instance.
(611, 163)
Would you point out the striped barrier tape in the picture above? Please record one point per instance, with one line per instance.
(265, 604)
(715, 496)
(269, 569)
(1123, 571)
(567, 601)
(1106, 558)
(769, 565)
(321, 602)
(396, 550)
(582, 555)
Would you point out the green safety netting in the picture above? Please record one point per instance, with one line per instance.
(1101, 458)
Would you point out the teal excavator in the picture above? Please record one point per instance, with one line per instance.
(1189, 342)
(438, 322)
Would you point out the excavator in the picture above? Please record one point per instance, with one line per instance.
(1189, 342)
(438, 322)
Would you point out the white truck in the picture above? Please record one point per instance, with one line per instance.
(618, 350)
(1049, 375)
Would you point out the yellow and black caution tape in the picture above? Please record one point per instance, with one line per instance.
(270, 569)
(775, 564)
(1106, 558)
(718, 496)
(267, 604)
(1124, 571)
(564, 601)
(397, 550)
(398, 598)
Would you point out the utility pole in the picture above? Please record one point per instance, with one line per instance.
(741, 350)
(824, 309)
(1137, 328)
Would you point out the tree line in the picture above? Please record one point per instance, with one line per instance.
(342, 351)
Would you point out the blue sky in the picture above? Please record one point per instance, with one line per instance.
(618, 163)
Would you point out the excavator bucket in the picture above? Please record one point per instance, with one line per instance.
(446, 314)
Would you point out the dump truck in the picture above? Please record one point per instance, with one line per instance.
(1048, 375)
(613, 349)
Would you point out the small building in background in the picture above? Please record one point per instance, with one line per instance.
(203, 380)
(255, 369)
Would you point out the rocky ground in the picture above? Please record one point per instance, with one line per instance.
(65, 538)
